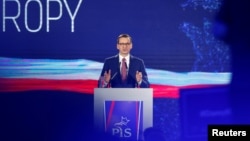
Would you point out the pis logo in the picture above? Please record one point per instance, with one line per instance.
(121, 129)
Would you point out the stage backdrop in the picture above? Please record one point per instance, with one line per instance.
(61, 44)
(43, 41)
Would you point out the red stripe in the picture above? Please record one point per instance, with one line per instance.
(110, 114)
(81, 86)
(24, 84)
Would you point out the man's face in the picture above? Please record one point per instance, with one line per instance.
(124, 46)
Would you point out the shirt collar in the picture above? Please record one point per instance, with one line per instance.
(127, 58)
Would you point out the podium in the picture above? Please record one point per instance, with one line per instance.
(123, 112)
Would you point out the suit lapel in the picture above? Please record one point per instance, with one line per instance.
(131, 64)
(117, 64)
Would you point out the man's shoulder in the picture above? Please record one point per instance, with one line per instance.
(111, 58)
(135, 58)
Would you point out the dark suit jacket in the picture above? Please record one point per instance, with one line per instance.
(135, 64)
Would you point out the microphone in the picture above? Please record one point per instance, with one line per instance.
(101, 82)
(111, 80)
(113, 76)
(118, 69)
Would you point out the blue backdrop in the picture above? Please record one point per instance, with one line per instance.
(169, 35)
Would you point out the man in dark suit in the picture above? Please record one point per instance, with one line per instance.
(123, 70)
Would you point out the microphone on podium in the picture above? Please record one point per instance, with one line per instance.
(109, 83)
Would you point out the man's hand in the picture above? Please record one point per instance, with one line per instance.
(138, 76)
(107, 76)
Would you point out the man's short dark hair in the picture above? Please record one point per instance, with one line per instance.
(124, 36)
